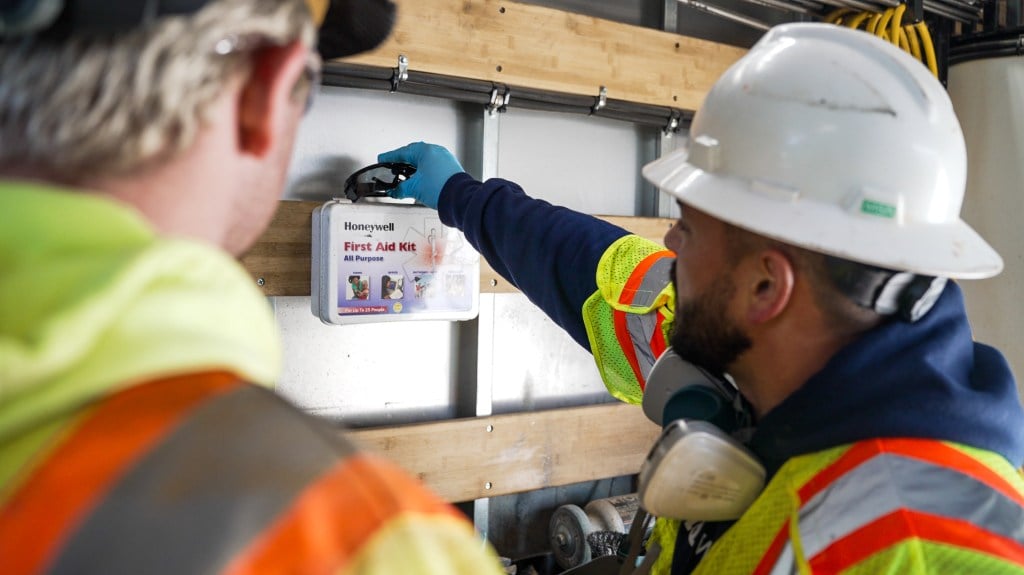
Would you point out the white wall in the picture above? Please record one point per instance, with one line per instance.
(588, 164)
(987, 96)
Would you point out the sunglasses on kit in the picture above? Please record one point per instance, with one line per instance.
(376, 180)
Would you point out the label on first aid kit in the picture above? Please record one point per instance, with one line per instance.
(390, 263)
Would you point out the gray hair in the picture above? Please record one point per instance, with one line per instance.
(106, 106)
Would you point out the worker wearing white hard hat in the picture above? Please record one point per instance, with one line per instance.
(812, 351)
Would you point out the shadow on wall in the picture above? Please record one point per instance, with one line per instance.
(325, 180)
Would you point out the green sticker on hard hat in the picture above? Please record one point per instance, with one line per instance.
(882, 210)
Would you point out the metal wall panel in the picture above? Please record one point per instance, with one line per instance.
(347, 128)
(535, 364)
(585, 163)
(513, 357)
(350, 373)
(371, 374)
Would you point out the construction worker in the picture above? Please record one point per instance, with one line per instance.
(819, 197)
(142, 146)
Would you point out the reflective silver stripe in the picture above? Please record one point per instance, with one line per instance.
(202, 495)
(656, 278)
(785, 564)
(889, 482)
(641, 328)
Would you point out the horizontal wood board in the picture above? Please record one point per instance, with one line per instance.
(466, 459)
(281, 260)
(549, 49)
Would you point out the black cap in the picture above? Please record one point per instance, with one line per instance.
(354, 26)
(347, 27)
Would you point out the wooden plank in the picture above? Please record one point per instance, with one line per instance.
(282, 257)
(544, 48)
(466, 459)
(281, 260)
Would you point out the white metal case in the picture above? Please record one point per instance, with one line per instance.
(377, 262)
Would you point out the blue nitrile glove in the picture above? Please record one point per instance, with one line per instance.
(434, 166)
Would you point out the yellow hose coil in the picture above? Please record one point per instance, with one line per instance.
(914, 39)
(927, 47)
(897, 20)
(911, 33)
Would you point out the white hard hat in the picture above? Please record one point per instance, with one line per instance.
(833, 140)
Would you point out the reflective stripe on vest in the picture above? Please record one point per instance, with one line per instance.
(640, 334)
(200, 497)
(630, 313)
(79, 471)
(204, 474)
(917, 489)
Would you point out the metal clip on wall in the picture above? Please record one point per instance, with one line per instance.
(401, 72)
(601, 102)
(673, 124)
(499, 99)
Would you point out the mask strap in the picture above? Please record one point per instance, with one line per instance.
(908, 295)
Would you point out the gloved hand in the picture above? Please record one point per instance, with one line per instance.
(434, 166)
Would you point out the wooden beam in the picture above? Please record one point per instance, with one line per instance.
(282, 257)
(548, 49)
(466, 459)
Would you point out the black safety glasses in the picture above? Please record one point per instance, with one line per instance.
(376, 180)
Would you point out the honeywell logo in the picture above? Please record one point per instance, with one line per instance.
(351, 227)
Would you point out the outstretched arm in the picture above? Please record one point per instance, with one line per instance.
(550, 253)
(610, 290)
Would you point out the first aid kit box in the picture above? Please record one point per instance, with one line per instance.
(378, 262)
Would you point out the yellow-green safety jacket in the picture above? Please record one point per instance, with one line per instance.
(896, 505)
(137, 433)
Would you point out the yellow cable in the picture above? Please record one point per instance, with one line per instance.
(856, 21)
(903, 44)
(836, 16)
(873, 23)
(929, 48)
(897, 21)
(911, 35)
(882, 27)
(888, 26)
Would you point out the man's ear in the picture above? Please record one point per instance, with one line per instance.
(770, 285)
(266, 102)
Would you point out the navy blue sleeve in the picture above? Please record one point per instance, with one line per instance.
(550, 253)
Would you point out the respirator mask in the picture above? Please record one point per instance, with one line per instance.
(699, 469)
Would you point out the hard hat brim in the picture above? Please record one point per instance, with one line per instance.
(952, 250)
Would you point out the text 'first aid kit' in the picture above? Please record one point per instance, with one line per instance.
(377, 262)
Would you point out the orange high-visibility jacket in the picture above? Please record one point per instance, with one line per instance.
(131, 440)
